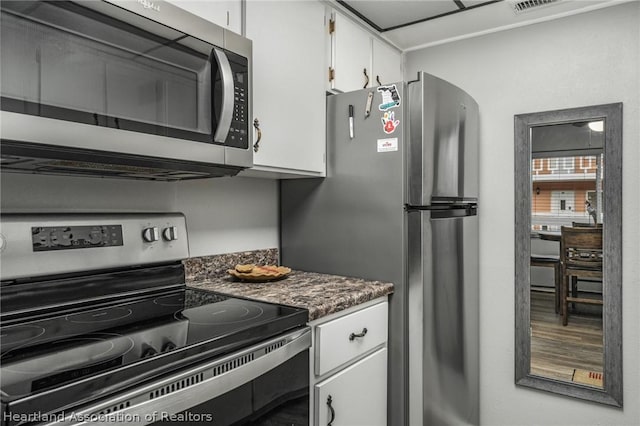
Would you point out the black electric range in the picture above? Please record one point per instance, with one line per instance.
(75, 345)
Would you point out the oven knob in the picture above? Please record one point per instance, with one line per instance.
(151, 234)
(170, 233)
(148, 351)
(169, 346)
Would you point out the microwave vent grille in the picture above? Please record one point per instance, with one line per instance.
(18, 157)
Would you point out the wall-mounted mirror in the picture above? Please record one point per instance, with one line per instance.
(568, 242)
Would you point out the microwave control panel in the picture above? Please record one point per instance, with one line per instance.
(239, 131)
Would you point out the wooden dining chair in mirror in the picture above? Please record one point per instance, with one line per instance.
(580, 257)
(568, 245)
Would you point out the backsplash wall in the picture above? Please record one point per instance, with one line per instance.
(224, 215)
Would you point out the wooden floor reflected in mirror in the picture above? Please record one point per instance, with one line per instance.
(571, 353)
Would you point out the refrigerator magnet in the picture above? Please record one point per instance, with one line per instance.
(367, 108)
(387, 145)
(390, 97)
(389, 122)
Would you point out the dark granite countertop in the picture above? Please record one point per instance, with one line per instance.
(320, 294)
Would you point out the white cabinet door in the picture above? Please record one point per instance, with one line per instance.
(289, 71)
(350, 55)
(355, 396)
(387, 64)
(226, 13)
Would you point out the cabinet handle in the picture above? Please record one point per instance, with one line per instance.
(256, 124)
(353, 336)
(378, 80)
(333, 412)
(366, 79)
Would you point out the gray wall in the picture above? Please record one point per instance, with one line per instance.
(224, 215)
(587, 59)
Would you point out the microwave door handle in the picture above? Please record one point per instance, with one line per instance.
(228, 88)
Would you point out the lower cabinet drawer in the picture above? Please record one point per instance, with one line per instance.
(345, 338)
(354, 396)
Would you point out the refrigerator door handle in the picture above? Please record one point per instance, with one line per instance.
(453, 200)
(443, 211)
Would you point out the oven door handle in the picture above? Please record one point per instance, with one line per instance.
(228, 94)
(187, 389)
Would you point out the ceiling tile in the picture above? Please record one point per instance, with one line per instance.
(394, 13)
(474, 3)
(490, 17)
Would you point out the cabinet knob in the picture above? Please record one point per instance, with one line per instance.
(333, 412)
(353, 336)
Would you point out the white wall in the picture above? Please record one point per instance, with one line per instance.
(224, 215)
(227, 215)
(587, 59)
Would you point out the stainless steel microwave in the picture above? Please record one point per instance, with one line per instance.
(128, 89)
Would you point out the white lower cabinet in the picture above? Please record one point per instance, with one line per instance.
(356, 395)
(349, 367)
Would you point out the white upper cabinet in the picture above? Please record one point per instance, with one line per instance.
(226, 13)
(358, 58)
(350, 54)
(387, 64)
(289, 74)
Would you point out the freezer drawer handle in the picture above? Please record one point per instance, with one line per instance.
(333, 412)
(353, 336)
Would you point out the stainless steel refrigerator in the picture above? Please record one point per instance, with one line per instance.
(399, 204)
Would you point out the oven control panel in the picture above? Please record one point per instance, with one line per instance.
(42, 244)
(45, 238)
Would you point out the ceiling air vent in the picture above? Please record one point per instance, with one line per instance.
(521, 6)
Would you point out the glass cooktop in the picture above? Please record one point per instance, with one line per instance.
(131, 341)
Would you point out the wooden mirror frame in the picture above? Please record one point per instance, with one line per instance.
(611, 393)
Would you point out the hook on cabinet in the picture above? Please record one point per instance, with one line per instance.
(378, 80)
(366, 79)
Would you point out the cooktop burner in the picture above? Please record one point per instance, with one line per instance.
(133, 340)
(175, 300)
(227, 312)
(20, 334)
(97, 348)
(100, 315)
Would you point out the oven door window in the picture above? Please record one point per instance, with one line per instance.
(64, 61)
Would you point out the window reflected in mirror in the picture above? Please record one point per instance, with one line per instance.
(566, 190)
(567, 169)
